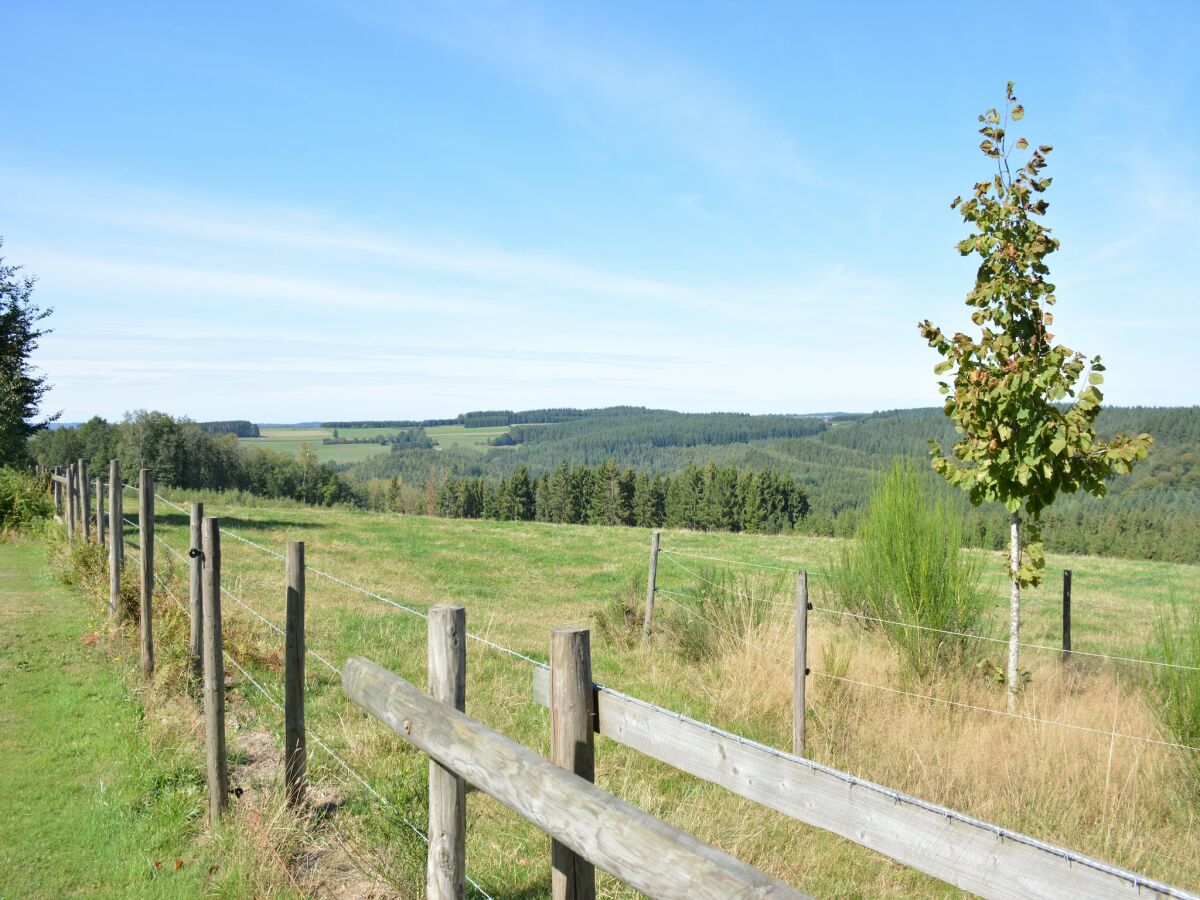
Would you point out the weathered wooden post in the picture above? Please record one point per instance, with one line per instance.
(70, 487)
(195, 588)
(214, 671)
(295, 748)
(572, 745)
(651, 581)
(1066, 610)
(116, 538)
(447, 863)
(146, 549)
(58, 493)
(801, 663)
(85, 502)
(100, 511)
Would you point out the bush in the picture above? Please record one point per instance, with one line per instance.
(619, 622)
(1177, 690)
(907, 565)
(722, 607)
(24, 500)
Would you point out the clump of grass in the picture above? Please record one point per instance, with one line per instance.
(1176, 689)
(721, 606)
(24, 500)
(907, 566)
(619, 622)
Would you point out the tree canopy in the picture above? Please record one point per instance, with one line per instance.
(21, 388)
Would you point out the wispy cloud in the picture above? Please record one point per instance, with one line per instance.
(610, 82)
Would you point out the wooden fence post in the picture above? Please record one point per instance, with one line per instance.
(116, 538)
(801, 663)
(1066, 613)
(85, 502)
(146, 549)
(100, 511)
(196, 589)
(214, 671)
(71, 502)
(295, 748)
(572, 745)
(58, 494)
(651, 581)
(447, 863)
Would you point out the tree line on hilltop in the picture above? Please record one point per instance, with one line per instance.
(711, 499)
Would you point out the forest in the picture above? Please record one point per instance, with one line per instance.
(643, 467)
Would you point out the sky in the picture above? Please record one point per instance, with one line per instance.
(319, 210)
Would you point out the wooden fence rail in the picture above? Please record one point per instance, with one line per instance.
(985, 859)
(653, 857)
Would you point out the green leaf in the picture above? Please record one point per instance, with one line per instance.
(1095, 378)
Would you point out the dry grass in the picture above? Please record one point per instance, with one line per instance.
(1127, 802)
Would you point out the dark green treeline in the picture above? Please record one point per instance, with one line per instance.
(713, 498)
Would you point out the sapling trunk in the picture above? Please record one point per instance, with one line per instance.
(1014, 627)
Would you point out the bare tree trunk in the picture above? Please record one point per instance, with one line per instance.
(1014, 628)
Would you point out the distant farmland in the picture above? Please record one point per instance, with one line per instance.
(288, 440)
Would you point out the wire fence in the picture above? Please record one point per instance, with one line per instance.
(309, 732)
(674, 597)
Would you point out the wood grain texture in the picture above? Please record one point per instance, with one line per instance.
(295, 748)
(196, 588)
(99, 482)
(648, 854)
(116, 543)
(572, 746)
(146, 552)
(446, 866)
(651, 582)
(214, 672)
(800, 668)
(985, 859)
(85, 501)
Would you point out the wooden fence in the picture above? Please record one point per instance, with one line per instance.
(589, 826)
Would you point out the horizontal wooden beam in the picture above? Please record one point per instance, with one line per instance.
(655, 858)
(985, 859)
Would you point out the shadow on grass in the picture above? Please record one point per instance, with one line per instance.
(233, 523)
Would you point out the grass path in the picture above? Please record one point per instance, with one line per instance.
(87, 809)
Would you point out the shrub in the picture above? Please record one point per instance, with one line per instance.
(619, 622)
(24, 500)
(1177, 690)
(722, 607)
(907, 566)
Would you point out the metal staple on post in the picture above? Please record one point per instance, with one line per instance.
(572, 746)
(447, 862)
(651, 581)
(801, 663)
(214, 672)
(196, 589)
(295, 751)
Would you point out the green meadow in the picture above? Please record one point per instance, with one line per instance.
(1089, 790)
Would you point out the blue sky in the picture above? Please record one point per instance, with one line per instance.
(339, 210)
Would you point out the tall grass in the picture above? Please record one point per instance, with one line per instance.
(907, 566)
(1177, 690)
(722, 605)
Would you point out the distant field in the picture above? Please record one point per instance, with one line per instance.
(462, 438)
(519, 580)
(288, 440)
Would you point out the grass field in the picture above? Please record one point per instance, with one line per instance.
(288, 440)
(1123, 801)
(96, 801)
